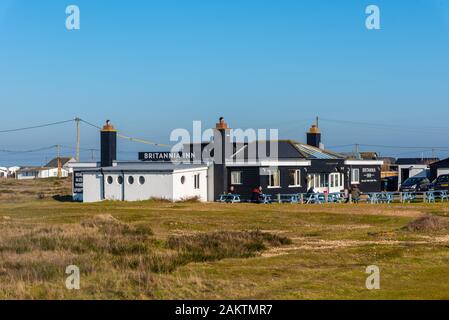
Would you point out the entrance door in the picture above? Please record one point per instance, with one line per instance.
(405, 174)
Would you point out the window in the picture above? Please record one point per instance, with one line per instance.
(142, 180)
(333, 181)
(274, 179)
(355, 176)
(110, 180)
(130, 180)
(294, 177)
(183, 179)
(236, 177)
(120, 180)
(196, 179)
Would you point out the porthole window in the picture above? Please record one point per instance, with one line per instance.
(120, 180)
(183, 179)
(131, 180)
(110, 180)
(142, 180)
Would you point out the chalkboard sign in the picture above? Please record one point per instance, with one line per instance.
(78, 186)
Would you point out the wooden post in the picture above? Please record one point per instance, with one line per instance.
(59, 161)
(350, 198)
(400, 197)
(301, 198)
(279, 198)
(77, 120)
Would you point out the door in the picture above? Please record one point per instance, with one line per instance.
(405, 174)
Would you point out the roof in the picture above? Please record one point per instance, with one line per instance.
(423, 161)
(286, 150)
(54, 162)
(146, 166)
(32, 169)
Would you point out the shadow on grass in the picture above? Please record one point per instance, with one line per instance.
(66, 198)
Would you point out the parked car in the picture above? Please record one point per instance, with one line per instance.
(416, 184)
(441, 183)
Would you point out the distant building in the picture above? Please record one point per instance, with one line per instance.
(413, 167)
(50, 170)
(66, 163)
(30, 173)
(439, 168)
(3, 172)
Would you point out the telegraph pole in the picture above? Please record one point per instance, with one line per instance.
(77, 121)
(58, 152)
(92, 153)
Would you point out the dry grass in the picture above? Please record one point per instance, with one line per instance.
(163, 250)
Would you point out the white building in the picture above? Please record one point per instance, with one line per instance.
(3, 172)
(141, 181)
(40, 173)
(413, 167)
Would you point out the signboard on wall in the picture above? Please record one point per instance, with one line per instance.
(166, 156)
(369, 175)
(78, 186)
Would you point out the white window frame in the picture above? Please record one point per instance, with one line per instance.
(236, 178)
(270, 174)
(296, 179)
(353, 180)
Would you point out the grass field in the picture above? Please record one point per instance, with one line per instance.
(158, 250)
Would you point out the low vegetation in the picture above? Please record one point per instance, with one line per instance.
(190, 250)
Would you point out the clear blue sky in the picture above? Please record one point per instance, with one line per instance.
(151, 66)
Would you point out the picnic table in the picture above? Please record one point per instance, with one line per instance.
(315, 198)
(408, 197)
(229, 198)
(289, 198)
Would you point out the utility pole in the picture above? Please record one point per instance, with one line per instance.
(357, 149)
(77, 121)
(92, 153)
(317, 122)
(58, 153)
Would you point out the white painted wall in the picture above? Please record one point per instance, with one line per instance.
(210, 184)
(113, 191)
(93, 184)
(442, 171)
(157, 185)
(182, 191)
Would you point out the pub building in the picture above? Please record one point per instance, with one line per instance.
(205, 171)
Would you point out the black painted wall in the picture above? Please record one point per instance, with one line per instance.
(437, 165)
(251, 178)
(370, 177)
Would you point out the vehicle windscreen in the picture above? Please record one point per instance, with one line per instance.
(412, 181)
(443, 179)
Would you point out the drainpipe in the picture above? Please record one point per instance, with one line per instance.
(102, 185)
(123, 186)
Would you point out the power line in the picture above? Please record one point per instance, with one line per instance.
(128, 137)
(37, 126)
(414, 129)
(27, 151)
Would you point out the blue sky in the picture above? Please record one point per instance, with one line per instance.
(152, 66)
